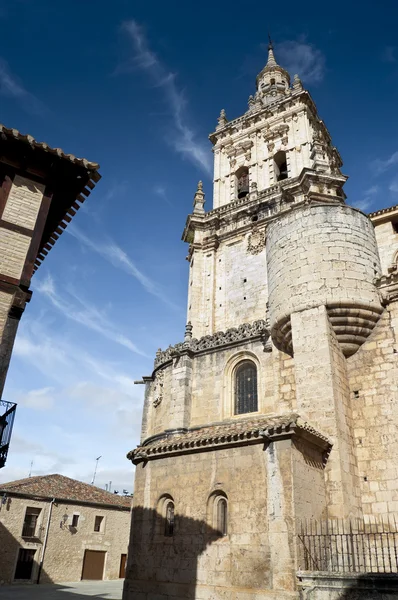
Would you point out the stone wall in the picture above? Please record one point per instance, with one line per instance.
(335, 586)
(63, 560)
(255, 559)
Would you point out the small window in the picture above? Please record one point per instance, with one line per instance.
(75, 520)
(98, 524)
(169, 519)
(222, 516)
(280, 166)
(395, 226)
(30, 522)
(246, 388)
(272, 81)
(242, 182)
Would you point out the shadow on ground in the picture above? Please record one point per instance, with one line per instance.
(108, 590)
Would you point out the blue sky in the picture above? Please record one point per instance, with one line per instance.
(137, 87)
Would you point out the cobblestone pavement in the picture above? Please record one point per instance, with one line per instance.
(109, 590)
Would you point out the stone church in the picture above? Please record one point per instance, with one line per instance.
(279, 406)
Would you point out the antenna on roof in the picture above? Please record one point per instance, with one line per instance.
(95, 470)
(30, 470)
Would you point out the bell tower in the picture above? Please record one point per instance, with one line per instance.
(249, 421)
(276, 155)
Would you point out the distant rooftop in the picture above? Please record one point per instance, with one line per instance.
(64, 488)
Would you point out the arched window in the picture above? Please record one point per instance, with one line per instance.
(169, 519)
(242, 182)
(221, 524)
(280, 166)
(246, 388)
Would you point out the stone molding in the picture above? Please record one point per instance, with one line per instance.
(388, 285)
(237, 433)
(233, 336)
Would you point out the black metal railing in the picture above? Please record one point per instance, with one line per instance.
(7, 415)
(367, 545)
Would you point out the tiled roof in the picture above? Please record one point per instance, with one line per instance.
(383, 211)
(64, 488)
(242, 431)
(5, 131)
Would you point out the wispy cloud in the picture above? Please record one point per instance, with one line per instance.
(302, 58)
(12, 87)
(160, 191)
(393, 187)
(368, 198)
(117, 257)
(41, 399)
(182, 137)
(379, 166)
(390, 54)
(83, 313)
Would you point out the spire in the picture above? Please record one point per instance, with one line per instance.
(271, 62)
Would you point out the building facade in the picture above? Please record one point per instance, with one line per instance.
(280, 404)
(41, 188)
(56, 529)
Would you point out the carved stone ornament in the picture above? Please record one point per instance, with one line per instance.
(158, 388)
(258, 329)
(256, 241)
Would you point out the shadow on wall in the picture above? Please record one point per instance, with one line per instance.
(337, 586)
(161, 561)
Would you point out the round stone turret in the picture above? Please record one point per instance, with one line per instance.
(323, 255)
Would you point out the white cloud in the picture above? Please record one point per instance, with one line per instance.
(83, 313)
(302, 58)
(41, 399)
(368, 198)
(115, 255)
(12, 87)
(380, 166)
(183, 138)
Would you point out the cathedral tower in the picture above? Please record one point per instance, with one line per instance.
(248, 422)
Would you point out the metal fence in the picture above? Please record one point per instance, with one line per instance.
(367, 545)
(7, 415)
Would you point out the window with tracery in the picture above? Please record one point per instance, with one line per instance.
(246, 388)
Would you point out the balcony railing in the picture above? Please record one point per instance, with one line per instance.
(367, 545)
(7, 415)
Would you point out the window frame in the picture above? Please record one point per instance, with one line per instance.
(76, 516)
(236, 399)
(217, 499)
(25, 527)
(228, 388)
(101, 525)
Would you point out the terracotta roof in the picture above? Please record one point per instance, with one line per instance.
(64, 488)
(383, 211)
(237, 432)
(43, 146)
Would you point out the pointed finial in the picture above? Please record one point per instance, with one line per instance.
(297, 85)
(222, 119)
(199, 200)
(270, 43)
(188, 331)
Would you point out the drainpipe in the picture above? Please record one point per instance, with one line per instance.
(45, 540)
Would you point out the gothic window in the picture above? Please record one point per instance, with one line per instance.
(242, 182)
(280, 166)
(246, 388)
(221, 524)
(169, 519)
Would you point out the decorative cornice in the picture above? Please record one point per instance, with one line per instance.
(388, 285)
(231, 337)
(264, 429)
